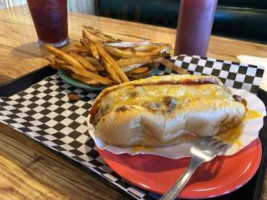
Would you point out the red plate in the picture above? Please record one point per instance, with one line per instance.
(158, 174)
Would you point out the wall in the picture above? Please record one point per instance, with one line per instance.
(80, 6)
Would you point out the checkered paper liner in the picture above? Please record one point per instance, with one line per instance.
(232, 74)
(44, 113)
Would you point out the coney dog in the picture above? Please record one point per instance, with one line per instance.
(165, 110)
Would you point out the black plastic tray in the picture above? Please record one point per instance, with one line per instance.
(252, 190)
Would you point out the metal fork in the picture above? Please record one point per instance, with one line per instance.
(204, 150)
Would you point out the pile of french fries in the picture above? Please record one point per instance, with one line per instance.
(100, 59)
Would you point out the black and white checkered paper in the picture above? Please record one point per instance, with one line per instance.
(44, 113)
(232, 74)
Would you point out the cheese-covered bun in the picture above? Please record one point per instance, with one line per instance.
(165, 110)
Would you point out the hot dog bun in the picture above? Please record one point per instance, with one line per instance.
(165, 110)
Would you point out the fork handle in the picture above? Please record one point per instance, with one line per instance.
(180, 184)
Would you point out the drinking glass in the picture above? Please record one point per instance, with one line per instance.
(50, 20)
(194, 26)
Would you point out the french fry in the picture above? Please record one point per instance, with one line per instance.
(92, 60)
(111, 62)
(73, 75)
(103, 37)
(76, 67)
(96, 64)
(131, 67)
(51, 59)
(112, 72)
(140, 75)
(65, 67)
(85, 63)
(100, 59)
(62, 55)
(82, 50)
(108, 38)
(128, 44)
(84, 79)
(78, 45)
(93, 49)
(128, 53)
(93, 31)
(54, 65)
(90, 36)
(59, 61)
(85, 44)
(91, 46)
(136, 60)
(98, 78)
(114, 51)
(171, 65)
(162, 49)
(140, 70)
(99, 68)
(146, 48)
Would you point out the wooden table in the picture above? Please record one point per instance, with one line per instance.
(30, 171)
